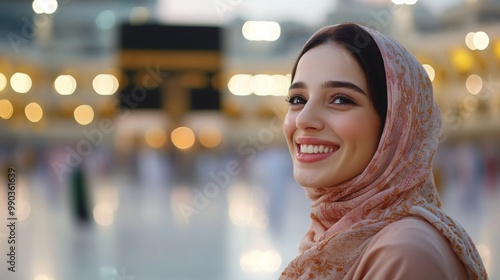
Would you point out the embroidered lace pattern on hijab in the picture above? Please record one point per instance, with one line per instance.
(396, 183)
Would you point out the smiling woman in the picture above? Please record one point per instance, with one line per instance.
(362, 128)
(329, 108)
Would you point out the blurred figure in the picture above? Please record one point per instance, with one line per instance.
(79, 196)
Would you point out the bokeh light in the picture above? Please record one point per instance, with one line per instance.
(430, 71)
(260, 84)
(282, 84)
(469, 40)
(263, 85)
(105, 84)
(183, 137)
(20, 82)
(481, 40)
(210, 136)
(496, 49)
(155, 137)
(260, 261)
(33, 112)
(65, 84)
(104, 213)
(108, 195)
(84, 114)
(474, 84)
(105, 20)
(239, 84)
(6, 109)
(261, 30)
(45, 6)
(3, 81)
(462, 59)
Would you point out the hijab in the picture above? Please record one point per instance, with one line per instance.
(396, 183)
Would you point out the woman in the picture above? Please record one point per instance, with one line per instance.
(362, 129)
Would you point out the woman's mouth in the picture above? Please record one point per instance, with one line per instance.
(308, 153)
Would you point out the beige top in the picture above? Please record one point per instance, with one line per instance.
(408, 249)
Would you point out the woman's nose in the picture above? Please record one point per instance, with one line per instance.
(309, 118)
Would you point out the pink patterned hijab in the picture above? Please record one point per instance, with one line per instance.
(396, 183)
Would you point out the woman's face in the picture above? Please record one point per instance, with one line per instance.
(331, 128)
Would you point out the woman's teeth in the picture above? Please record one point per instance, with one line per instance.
(315, 149)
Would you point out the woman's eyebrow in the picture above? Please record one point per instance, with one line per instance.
(298, 85)
(342, 84)
(331, 84)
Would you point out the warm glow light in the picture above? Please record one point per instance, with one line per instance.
(481, 40)
(260, 84)
(430, 71)
(260, 261)
(263, 85)
(20, 82)
(107, 195)
(496, 49)
(3, 81)
(462, 60)
(33, 112)
(65, 84)
(239, 84)
(6, 109)
(155, 137)
(45, 6)
(105, 84)
(84, 114)
(261, 30)
(469, 40)
(103, 214)
(182, 137)
(282, 85)
(106, 205)
(474, 84)
(210, 136)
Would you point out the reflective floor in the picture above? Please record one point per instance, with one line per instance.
(225, 219)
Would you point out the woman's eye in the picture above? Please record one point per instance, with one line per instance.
(295, 99)
(342, 100)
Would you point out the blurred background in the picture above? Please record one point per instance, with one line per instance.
(145, 135)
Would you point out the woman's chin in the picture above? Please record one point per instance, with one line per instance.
(309, 181)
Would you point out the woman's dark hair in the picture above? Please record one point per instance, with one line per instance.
(360, 44)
